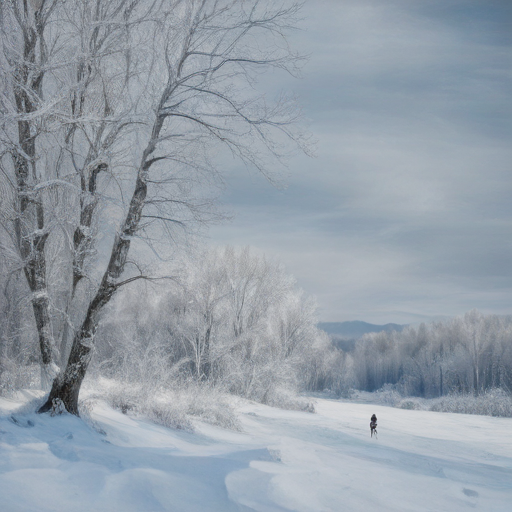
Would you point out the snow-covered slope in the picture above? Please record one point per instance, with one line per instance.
(422, 461)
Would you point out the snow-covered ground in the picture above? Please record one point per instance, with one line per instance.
(422, 461)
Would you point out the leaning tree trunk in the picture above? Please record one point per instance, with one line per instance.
(66, 386)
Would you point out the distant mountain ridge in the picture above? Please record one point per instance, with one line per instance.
(356, 328)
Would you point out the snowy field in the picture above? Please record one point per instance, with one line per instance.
(422, 461)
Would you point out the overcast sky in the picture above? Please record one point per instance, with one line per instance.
(406, 212)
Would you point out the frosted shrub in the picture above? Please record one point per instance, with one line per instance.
(284, 399)
(387, 395)
(410, 404)
(14, 376)
(166, 415)
(494, 402)
(211, 406)
(174, 407)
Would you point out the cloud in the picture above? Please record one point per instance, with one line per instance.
(406, 210)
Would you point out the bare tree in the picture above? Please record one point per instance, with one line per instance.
(142, 93)
(231, 319)
(25, 57)
(65, 66)
(479, 333)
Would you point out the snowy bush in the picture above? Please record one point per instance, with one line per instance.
(14, 376)
(494, 402)
(410, 404)
(388, 395)
(173, 407)
(168, 416)
(284, 399)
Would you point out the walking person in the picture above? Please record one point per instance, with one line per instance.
(373, 425)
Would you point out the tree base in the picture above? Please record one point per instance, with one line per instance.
(67, 393)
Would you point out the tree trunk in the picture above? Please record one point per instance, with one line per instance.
(476, 385)
(30, 226)
(206, 357)
(67, 385)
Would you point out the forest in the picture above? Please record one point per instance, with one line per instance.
(468, 354)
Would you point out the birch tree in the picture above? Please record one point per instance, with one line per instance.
(134, 94)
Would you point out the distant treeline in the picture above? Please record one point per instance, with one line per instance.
(472, 353)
